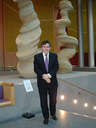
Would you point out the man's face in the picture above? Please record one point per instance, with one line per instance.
(46, 48)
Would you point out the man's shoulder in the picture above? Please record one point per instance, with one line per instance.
(38, 55)
(53, 54)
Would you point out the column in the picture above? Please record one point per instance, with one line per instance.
(90, 34)
(80, 34)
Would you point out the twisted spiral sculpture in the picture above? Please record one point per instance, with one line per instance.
(62, 39)
(28, 38)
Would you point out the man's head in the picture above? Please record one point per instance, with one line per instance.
(45, 46)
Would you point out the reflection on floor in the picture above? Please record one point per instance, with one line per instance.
(65, 120)
(76, 107)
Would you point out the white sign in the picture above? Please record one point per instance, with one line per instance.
(28, 86)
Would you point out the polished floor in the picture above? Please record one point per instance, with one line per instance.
(80, 86)
(65, 120)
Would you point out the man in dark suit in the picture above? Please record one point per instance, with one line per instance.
(46, 67)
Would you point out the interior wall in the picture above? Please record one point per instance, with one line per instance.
(1, 33)
(72, 29)
(44, 9)
(12, 25)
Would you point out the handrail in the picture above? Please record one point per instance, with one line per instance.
(76, 86)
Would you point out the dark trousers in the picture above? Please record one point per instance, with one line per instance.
(43, 92)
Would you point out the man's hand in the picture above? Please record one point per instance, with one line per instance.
(48, 81)
(46, 78)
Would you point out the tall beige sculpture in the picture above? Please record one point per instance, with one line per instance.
(28, 38)
(62, 39)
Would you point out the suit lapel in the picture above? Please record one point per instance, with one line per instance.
(49, 61)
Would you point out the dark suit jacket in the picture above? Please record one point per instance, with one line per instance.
(39, 68)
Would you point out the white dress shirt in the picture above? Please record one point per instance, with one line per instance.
(44, 56)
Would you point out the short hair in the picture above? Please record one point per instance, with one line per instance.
(44, 42)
